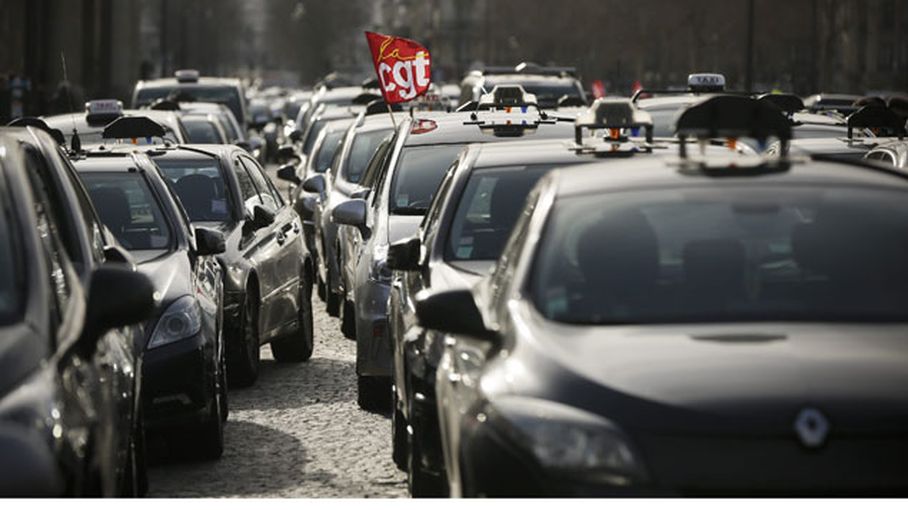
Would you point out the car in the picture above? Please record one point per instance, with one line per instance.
(254, 144)
(392, 205)
(866, 121)
(552, 86)
(68, 383)
(204, 128)
(267, 268)
(101, 112)
(327, 95)
(685, 326)
(323, 115)
(187, 86)
(840, 103)
(894, 153)
(319, 161)
(360, 142)
(184, 372)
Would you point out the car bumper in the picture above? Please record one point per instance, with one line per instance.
(373, 347)
(178, 383)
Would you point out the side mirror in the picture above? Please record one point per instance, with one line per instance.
(452, 311)
(315, 184)
(109, 307)
(286, 153)
(28, 467)
(404, 255)
(353, 213)
(209, 242)
(260, 219)
(288, 173)
(296, 136)
(361, 193)
(305, 208)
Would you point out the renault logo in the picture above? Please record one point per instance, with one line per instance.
(812, 427)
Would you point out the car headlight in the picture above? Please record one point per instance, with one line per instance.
(572, 441)
(380, 272)
(182, 319)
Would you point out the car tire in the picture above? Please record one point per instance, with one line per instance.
(398, 434)
(373, 394)
(321, 288)
(332, 303)
(243, 365)
(348, 320)
(420, 483)
(298, 347)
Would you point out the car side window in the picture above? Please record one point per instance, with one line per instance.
(430, 222)
(55, 255)
(504, 269)
(375, 164)
(268, 198)
(247, 189)
(88, 212)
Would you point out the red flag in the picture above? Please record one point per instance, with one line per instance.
(403, 67)
(598, 89)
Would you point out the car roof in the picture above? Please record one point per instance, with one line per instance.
(659, 173)
(112, 161)
(831, 145)
(450, 128)
(202, 81)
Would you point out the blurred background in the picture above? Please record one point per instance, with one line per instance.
(800, 46)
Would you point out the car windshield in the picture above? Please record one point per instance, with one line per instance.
(725, 254)
(202, 131)
(223, 94)
(418, 175)
(490, 204)
(10, 298)
(328, 149)
(364, 146)
(129, 209)
(200, 186)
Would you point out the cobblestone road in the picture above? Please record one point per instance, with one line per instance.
(297, 433)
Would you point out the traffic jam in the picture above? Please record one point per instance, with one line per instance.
(543, 290)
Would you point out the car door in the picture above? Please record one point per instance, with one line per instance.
(258, 246)
(280, 307)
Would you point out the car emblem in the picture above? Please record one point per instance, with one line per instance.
(812, 427)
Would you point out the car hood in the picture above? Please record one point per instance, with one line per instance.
(743, 377)
(402, 227)
(170, 273)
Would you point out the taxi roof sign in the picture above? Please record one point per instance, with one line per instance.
(876, 117)
(133, 127)
(102, 111)
(613, 113)
(186, 75)
(706, 82)
(503, 96)
(733, 117)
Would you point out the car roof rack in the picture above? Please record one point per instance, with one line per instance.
(133, 128)
(614, 114)
(39, 123)
(733, 117)
(876, 117)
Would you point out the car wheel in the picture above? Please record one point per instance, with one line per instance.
(420, 483)
(332, 302)
(372, 393)
(298, 347)
(398, 434)
(348, 320)
(321, 288)
(244, 360)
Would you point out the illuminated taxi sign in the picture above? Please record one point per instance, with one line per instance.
(187, 75)
(104, 107)
(102, 111)
(706, 82)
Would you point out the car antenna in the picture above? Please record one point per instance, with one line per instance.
(75, 144)
(473, 115)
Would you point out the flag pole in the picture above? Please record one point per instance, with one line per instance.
(391, 113)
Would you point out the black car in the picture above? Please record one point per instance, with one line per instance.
(184, 373)
(695, 326)
(67, 368)
(188, 86)
(553, 86)
(458, 241)
(267, 269)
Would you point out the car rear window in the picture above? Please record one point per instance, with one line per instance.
(130, 210)
(200, 186)
(725, 254)
(418, 176)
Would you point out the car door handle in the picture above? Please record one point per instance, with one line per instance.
(289, 226)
